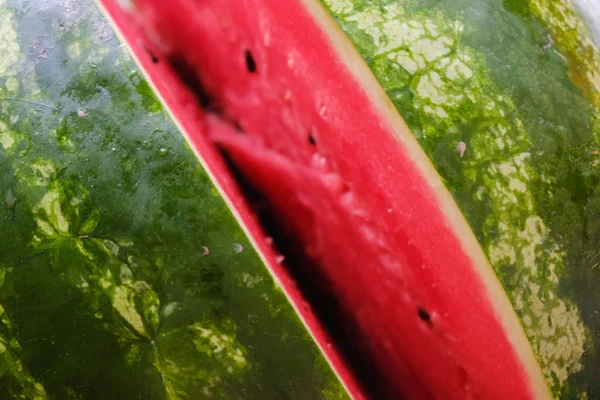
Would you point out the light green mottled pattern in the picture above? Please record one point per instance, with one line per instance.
(573, 38)
(448, 67)
(20, 382)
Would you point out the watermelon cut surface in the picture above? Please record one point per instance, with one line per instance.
(123, 274)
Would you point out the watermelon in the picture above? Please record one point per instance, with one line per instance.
(502, 98)
(339, 182)
(332, 132)
(123, 273)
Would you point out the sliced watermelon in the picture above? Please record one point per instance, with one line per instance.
(338, 198)
(315, 143)
(123, 274)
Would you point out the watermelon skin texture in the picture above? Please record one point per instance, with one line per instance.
(504, 97)
(123, 275)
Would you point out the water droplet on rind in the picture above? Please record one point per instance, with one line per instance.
(10, 200)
